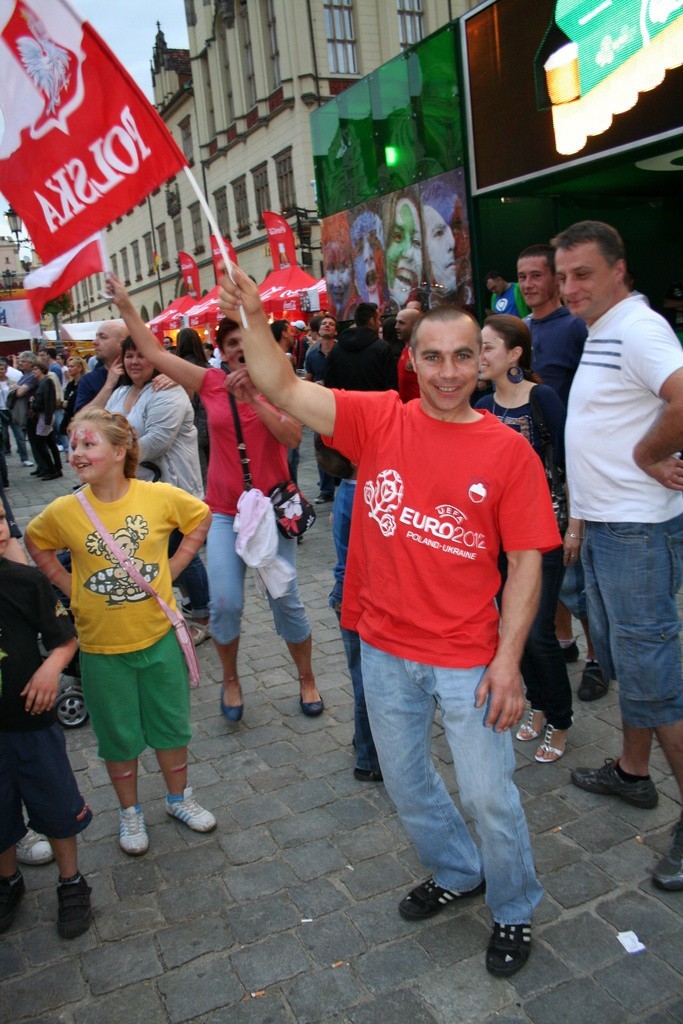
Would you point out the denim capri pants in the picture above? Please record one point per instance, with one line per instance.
(226, 584)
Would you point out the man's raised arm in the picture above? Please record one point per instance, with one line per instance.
(268, 366)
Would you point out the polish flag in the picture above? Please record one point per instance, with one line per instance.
(190, 272)
(81, 144)
(281, 241)
(217, 257)
(64, 272)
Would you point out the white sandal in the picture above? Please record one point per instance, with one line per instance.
(527, 731)
(198, 633)
(546, 752)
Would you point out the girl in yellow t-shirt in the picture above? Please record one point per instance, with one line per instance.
(133, 671)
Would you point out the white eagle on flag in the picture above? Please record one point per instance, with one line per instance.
(46, 63)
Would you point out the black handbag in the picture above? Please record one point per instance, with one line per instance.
(554, 475)
(294, 514)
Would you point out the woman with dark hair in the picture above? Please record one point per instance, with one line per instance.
(42, 405)
(506, 361)
(164, 424)
(268, 432)
(189, 347)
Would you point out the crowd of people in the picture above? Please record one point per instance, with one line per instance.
(489, 484)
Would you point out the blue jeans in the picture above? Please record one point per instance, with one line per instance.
(193, 578)
(226, 584)
(20, 439)
(633, 573)
(402, 697)
(326, 482)
(573, 590)
(366, 753)
(544, 669)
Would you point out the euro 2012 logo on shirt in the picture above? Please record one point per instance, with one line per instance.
(384, 497)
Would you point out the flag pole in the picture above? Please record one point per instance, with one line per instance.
(217, 232)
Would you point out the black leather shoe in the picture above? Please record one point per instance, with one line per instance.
(368, 775)
(312, 708)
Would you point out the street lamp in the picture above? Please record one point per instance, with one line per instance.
(14, 221)
(9, 279)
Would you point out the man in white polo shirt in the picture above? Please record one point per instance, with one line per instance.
(624, 437)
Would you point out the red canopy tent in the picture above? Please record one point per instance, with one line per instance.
(169, 318)
(205, 310)
(280, 291)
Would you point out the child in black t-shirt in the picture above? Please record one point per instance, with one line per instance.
(34, 766)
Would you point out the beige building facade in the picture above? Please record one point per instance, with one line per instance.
(238, 104)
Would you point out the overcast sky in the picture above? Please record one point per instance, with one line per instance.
(129, 28)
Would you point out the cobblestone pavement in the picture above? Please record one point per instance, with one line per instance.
(288, 911)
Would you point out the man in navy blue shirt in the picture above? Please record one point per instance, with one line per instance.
(557, 337)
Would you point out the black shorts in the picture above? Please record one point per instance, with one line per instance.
(35, 768)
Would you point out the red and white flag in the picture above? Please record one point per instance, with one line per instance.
(81, 143)
(190, 272)
(64, 272)
(281, 241)
(218, 258)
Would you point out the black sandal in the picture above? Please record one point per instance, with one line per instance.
(593, 683)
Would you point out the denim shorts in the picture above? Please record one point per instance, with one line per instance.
(633, 573)
(34, 767)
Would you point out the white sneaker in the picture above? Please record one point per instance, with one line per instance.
(26, 462)
(133, 838)
(190, 813)
(34, 849)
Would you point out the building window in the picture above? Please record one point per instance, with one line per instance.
(124, 267)
(273, 48)
(239, 192)
(196, 219)
(178, 233)
(249, 73)
(341, 41)
(410, 22)
(135, 249)
(261, 191)
(225, 86)
(163, 246)
(220, 197)
(186, 137)
(149, 250)
(114, 265)
(285, 181)
(205, 79)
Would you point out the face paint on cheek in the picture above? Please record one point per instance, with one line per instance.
(85, 436)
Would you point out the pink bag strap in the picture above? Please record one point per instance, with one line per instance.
(125, 561)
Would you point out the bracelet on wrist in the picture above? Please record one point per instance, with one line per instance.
(574, 536)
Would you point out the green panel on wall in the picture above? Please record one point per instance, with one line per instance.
(398, 126)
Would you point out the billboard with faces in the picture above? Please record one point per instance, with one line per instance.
(412, 244)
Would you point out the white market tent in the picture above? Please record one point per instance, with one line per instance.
(85, 331)
(12, 334)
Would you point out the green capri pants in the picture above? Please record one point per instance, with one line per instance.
(138, 699)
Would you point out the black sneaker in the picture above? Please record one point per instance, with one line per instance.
(10, 898)
(669, 872)
(74, 915)
(323, 499)
(608, 781)
(593, 683)
(368, 774)
(508, 949)
(571, 653)
(429, 899)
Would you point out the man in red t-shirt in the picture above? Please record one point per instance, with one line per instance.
(408, 388)
(441, 488)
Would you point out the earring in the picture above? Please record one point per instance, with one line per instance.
(515, 375)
